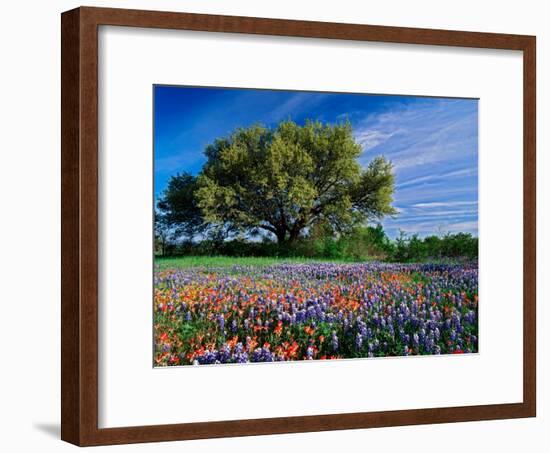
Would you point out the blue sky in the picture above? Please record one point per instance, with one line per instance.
(432, 142)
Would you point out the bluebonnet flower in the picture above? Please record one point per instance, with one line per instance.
(358, 341)
(334, 341)
(221, 322)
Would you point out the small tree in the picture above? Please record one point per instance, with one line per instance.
(177, 211)
(401, 247)
(161, 236)
(368, 242)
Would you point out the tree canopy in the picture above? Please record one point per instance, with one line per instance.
(177, 209)
(283, 181)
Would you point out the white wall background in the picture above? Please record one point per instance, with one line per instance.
(30, 228)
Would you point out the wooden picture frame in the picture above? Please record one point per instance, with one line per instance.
(79, 301)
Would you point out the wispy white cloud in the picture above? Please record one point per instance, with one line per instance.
(437, 177)
(439, 204)
(413, 215)
(443, 227)
(177, 162)
(435, 131)
(463, 172)
(297, 103)
(370, 139)
(426, 194)
(468, 227)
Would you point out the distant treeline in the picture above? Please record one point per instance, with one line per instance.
(362, 243)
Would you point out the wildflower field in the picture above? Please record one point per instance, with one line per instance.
(291, 311)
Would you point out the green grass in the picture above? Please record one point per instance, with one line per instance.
(225, 261)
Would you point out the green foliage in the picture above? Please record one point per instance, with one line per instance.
(291, 178)
(368, 243)
(360, 244)
(372, 243)
(177, 211)
(435, 248)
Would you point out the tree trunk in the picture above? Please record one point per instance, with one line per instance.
(294, 233)
(293, 237)
(281, 236)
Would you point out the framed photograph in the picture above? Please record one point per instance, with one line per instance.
(275, 226)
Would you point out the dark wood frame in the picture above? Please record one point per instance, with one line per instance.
(79, 171)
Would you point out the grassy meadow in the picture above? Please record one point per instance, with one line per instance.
(184, 262)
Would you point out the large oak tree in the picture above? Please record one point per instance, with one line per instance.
(287, 179)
